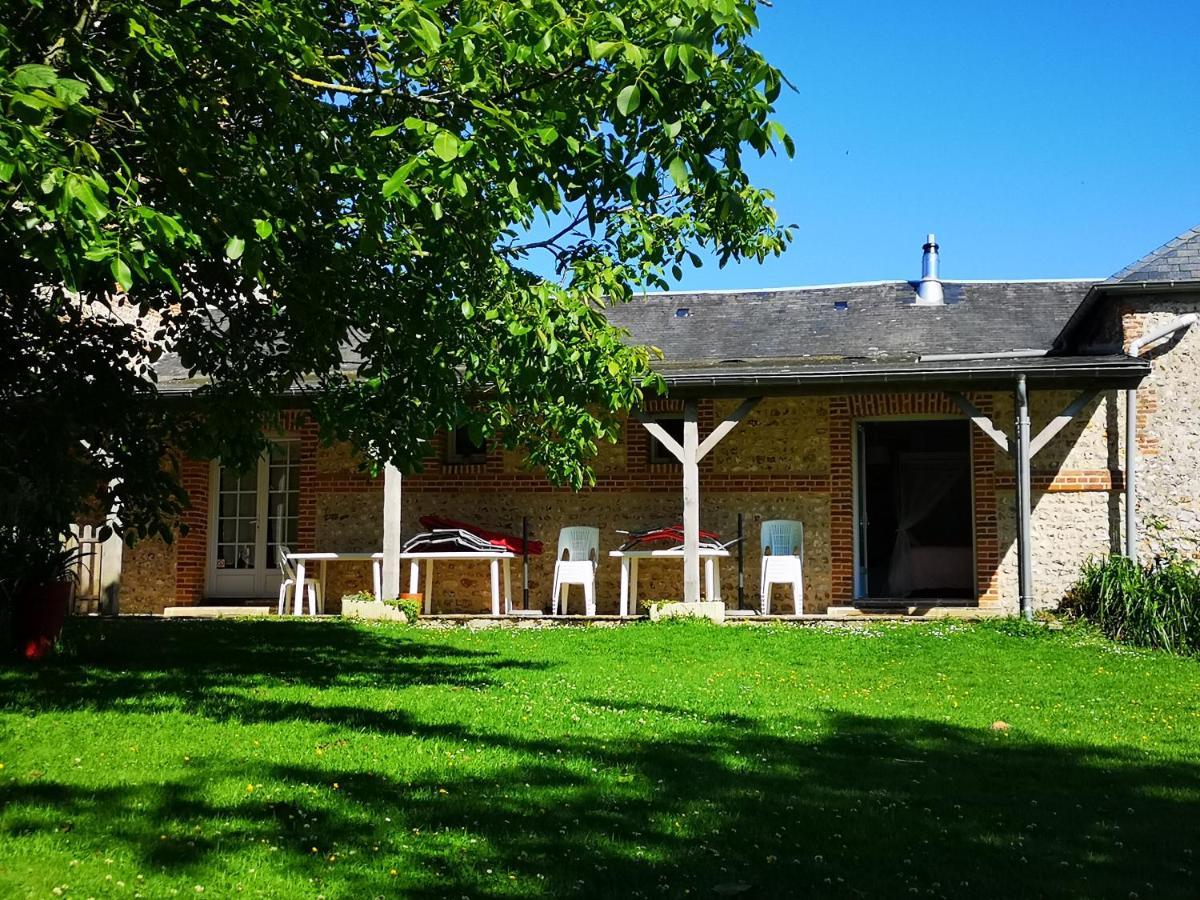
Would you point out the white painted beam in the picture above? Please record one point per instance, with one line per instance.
(981, 421)
(391, 532)
(689, 454)
(1024, 500)
(691, 503)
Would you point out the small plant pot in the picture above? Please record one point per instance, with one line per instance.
(713, 611)
(40, 616)
(416, 598)
(360, 607)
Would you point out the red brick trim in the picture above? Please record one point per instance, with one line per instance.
(191, 559)
(1067, 481)
(987, 528)
(1132, 328)
(667, 479)
(863, 405)
(841, 500)
(1147, 406)
(306, 526)
(347, 483)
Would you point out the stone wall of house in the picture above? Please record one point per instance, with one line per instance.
(1168, 489)
(790, 458)
(1079, 500)
(788, 436)
(148, 572)
(1077, 492)
(1068, 527)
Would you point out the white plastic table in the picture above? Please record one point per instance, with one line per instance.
(629, 571)
(302, 559)
(497, 560)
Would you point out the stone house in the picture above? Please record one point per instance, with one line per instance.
(884, 416)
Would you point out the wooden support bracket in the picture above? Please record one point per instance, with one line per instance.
(1059, 422)
(986, 425)
(652, 426)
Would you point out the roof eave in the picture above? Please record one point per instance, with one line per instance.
(1096, 291)
(763, 382)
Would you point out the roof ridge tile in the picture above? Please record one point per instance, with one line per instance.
(1176, 260)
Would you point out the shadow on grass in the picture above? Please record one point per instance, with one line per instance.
(150, 664)
(851, 806)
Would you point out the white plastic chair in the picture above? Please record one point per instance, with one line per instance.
(581, 544)
(784, 564)
(288, 585)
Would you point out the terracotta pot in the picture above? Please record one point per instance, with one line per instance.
(40, 616)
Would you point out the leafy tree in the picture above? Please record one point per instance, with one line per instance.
(266, 188)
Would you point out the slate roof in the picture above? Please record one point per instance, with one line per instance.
(844, 335)
(1176, 260)
(174, 378)
(873, 321)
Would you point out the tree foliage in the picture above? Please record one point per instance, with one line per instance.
(267, 188)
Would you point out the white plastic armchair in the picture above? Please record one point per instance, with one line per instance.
(578, 556)
(288, 586)
(782, 561)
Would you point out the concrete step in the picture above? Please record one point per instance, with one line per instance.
(215, 612)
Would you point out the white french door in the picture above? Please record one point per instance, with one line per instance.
(253, 512)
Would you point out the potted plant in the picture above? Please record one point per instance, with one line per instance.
(364, 605)
(37, 587)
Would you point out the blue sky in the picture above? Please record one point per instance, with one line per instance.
(1052, 139)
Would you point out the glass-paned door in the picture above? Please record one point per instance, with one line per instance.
(254, 511)
(862, 531)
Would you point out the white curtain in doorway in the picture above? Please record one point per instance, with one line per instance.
(924, 480)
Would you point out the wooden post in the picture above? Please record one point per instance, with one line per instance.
(691, 503)
(689, 454)
(1024, 500)
(525, 561)
(391, 533)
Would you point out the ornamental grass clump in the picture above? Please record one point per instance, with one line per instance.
(1155, 605)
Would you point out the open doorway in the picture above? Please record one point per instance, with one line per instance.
(915, 534)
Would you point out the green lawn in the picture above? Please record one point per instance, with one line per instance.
(305, 759)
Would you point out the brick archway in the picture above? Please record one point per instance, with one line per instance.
(843, 412)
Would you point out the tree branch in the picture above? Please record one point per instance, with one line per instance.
(551, 241)
(357, 91)
(56, 48)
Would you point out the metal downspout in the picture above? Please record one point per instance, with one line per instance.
(1024, 502)
(1135, 349)
(1131, 535)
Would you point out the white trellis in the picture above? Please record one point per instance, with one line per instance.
(97, 569)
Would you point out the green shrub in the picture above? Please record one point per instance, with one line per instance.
(1155, 605)
(411, 609)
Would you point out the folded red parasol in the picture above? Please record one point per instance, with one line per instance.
(508, 542)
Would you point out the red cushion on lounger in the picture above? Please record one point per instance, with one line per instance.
(671, 533)
(496, 538)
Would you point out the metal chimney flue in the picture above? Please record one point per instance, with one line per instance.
(929, 288)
